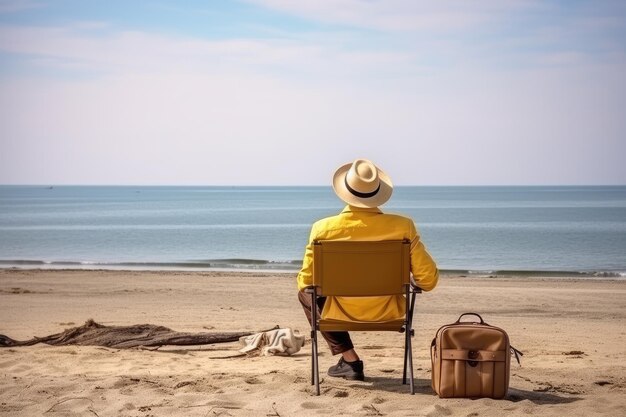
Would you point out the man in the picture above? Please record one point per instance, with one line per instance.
(364, 187)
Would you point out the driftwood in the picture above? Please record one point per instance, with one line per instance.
(122, 337)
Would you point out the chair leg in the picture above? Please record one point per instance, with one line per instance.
(316, 371)
(315, 374)
(410, 357)
(408, 352)
(313, 355)
(413, 295)
(406, 358)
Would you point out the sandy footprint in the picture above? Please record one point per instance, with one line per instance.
(372, 410)
(74, 405)
(182, 384)
(253, 380)
(17, 368)
(437, 411)
(226, 404)
(311, 405)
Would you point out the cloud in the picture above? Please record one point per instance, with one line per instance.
(12, 6)
(402, 15)
(522, 33)
(121, 52)
(410, 39)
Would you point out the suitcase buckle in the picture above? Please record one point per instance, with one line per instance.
(472, 354)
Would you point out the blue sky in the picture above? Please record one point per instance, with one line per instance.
(283, 92)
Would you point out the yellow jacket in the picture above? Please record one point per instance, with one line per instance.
(355, 223)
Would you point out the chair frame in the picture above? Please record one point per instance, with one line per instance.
(410, 292)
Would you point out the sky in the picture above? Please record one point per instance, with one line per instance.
(280, 92)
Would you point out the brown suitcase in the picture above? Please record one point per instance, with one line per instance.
(471, 360)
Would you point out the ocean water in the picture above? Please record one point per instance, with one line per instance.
(579, 229)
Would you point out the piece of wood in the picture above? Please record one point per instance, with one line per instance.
(123, 337)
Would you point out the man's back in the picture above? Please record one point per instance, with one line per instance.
(369, 224)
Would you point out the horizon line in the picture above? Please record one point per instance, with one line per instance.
(297, 185)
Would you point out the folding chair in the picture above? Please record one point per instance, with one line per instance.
(362, 269)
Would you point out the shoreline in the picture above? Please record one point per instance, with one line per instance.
(262, 267)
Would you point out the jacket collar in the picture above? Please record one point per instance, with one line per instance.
(352, 209)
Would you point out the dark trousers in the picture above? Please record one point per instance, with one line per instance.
(337, 341)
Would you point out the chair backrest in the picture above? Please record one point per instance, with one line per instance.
(361, 268)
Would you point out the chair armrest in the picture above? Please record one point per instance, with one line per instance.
(414, 288)
(309, 290)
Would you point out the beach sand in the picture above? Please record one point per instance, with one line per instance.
(571, 331)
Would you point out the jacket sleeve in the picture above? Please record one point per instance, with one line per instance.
(423, 267)
(305, 277)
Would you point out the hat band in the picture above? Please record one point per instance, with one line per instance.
(359, 194)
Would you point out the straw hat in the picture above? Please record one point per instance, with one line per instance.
(362, 184)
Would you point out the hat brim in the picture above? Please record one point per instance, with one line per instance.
(381, 197)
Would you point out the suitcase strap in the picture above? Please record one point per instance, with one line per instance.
(464, 354)
(473, 355)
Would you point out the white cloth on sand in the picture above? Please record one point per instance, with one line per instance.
(273, 342)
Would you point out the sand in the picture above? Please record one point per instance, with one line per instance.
(571, 331)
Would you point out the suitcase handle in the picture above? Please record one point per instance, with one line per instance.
(471, 314)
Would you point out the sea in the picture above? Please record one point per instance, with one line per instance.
(546, 230)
